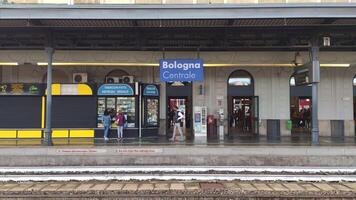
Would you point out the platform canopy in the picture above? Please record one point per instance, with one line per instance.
(177, 27)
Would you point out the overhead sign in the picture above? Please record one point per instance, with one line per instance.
(302, 74)
(115, 90)
(150, 90)
(21, 89)
(181, 70)
(306, 74)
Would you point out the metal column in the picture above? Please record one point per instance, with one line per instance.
(315, 82)
(48, 129)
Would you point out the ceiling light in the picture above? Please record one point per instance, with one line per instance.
(9, 63)
(84, 64)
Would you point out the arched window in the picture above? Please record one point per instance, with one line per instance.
(115, 76)
(58, 76)
(240, 83)
(292, 81)
(354, 81)
(117, 73)
(240, 78)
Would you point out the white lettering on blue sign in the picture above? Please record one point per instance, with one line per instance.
(115, 90)
(181, 70)
(150, 90)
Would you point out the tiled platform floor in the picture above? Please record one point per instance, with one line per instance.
(162, 140)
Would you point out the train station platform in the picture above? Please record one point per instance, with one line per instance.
(151, 152)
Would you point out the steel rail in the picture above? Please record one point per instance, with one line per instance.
(181, 177)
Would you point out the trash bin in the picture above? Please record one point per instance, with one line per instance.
(273, 129)
(212, 129)
(289, 125)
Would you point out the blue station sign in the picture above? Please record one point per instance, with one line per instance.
(181, 70)
(115, 90)
(150, 90)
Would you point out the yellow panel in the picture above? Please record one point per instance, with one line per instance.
(84, 89)
(56, 89)
(60, 133)
(29, 134)
(81, 133)
(8, 134)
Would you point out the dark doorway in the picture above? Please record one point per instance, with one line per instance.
(300, 109)
(244, 116)
(243, 113)
(179, 95)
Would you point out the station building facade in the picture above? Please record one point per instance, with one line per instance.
(248, 82)
(271, 74)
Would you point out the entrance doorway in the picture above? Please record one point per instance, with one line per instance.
(184, 105)
(243, 113)
(244, 116)
(179, 95)
(300, 109)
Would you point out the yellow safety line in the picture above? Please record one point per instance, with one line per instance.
(43, 113)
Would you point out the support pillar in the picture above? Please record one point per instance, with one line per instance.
(315, 78)
(48, 128)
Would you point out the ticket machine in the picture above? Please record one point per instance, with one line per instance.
(220, 122)
(200, 120)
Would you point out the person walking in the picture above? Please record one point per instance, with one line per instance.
(178, 121)
(120, 121)
(106, 119)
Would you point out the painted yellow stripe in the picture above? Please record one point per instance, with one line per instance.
(81, 141)
(43, 111)
(8, 142)
(29, 142)
(60, 133)
(81, 133)
(62, 141)
(29, 134)
(84, 89)
(8, 134)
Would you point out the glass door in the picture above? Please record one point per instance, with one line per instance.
(151, 110)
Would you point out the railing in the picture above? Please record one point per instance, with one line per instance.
(72, 2)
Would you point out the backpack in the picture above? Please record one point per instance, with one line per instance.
(120, 121)
(176, 116)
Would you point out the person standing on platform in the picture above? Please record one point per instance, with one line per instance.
(107, 123)
(120, 121)
(178, 120)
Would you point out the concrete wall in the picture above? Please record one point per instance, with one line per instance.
(271, 83)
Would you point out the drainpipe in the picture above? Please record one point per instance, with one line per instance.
(48, 128)
(315, 82)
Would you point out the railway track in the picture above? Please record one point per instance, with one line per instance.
(177, 182)
(197, 194)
